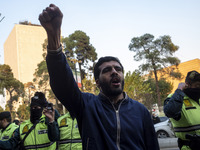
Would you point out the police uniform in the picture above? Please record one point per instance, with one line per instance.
(69, 134)
(38, 137)
(189, 123)
(183, 109)
(7, 133)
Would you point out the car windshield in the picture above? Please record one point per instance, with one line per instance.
(163, 119)
(157, 119)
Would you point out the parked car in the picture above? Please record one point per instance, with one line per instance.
(164, 129)
(164, 118)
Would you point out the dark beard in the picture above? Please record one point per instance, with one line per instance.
(107, 91)
(193, 93)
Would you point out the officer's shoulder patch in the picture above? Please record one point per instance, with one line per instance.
(187, 103)
(63, 122)
(25, 129)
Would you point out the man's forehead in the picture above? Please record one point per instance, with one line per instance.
(108, 64)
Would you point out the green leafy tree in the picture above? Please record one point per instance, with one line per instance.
(136, 87)
(78, 44)
(13, 113)
(90, 85)
(58, 105)
(29, 87)
(164, 86)
(2, 84)
(1, 109)
(13, 86)
(157, 56)
(41, 76)
(23, 112)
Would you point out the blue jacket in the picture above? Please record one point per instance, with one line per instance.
(173, 105)
(101, 126)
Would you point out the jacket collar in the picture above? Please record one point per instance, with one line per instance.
(106, 99)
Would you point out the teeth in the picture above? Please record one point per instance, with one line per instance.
(115, 80)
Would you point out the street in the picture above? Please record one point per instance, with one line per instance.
(168, 144)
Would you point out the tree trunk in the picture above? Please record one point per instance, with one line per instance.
(157, 89)
(10, 105)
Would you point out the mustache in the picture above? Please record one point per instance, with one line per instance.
(115, 78)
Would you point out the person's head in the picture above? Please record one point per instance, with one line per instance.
(193, 79)
(5, 119)
(108, 74)
(38, 102)
(193, 85)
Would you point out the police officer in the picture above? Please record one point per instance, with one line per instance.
(7, 128)
(43, 135)
(183, 109)
(69, 134)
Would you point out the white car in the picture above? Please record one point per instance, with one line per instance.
(164, 129)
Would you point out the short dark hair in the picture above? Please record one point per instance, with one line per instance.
(5, 115)
(101, 61)
(192, 76)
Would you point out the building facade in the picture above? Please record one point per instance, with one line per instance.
(23, 50)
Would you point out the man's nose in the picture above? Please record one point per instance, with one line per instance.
(114, 71)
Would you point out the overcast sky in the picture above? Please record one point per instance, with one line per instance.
(111, 24)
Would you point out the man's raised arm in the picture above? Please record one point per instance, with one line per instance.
(62, 81)
(51, 20)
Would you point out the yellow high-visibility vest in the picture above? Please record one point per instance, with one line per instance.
(38, 137)
(189, 123)
(69, 134)
(8, 132)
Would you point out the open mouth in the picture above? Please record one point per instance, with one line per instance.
(116, 81)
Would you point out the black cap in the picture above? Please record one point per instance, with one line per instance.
(39, 100)
(192, 76)
(5, 114)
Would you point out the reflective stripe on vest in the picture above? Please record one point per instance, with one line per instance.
(70, 141)
(39, 146)
(187, 129)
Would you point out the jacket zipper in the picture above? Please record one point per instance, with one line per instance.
(118, 124)
(118, 130)
(87, 143)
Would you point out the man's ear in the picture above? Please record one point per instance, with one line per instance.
(4, 120)
(97, 82)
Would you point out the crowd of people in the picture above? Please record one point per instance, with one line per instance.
(107, 121)
(45, 129)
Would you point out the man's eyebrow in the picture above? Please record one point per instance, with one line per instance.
(106, 67)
